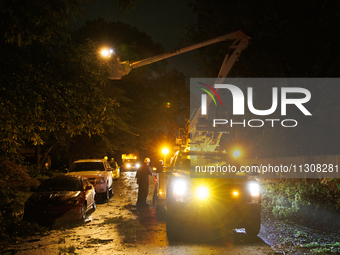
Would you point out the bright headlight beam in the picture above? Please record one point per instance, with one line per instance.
(180, 187)
(202, 192)
(254, 189)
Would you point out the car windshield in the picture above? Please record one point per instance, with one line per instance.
(60, 184)
(87, 166)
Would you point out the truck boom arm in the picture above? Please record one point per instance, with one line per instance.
(119, 69)
(203, 137)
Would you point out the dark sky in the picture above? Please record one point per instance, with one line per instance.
(165, 21)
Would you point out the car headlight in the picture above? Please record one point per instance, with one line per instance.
(138, 165)
(73, 202)
(100, 180)
(180, 187)
(202, 192)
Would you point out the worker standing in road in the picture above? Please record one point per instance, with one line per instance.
(142, 176)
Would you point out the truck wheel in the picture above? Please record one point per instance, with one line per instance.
(253, 224)
(172, 229)
(253, 229)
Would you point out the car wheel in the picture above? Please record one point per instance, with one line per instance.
(83, 212)
(94, 205)
(107, 194)
(111, 191)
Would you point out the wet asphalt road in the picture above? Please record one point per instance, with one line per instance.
(118, 227)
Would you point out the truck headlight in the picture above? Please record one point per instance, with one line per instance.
(254, 189)
(202, 192)
(180, 187)
(137, 165)
(128, 165)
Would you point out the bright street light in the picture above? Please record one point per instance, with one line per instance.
(106, 53)
(165, 151)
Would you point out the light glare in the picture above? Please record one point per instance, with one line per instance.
(236, 153)
(254, 189)
(106, 53)
(180, 187)
(202, 192)
(165, 151)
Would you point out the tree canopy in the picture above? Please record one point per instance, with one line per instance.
(54, 88)
(146, 91)
(51, 85)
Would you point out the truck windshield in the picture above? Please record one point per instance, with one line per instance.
(185, 159)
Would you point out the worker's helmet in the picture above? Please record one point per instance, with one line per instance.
(147, 160)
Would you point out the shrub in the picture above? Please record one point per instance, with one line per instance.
(13, 178)
(291, 198)
(16, 176)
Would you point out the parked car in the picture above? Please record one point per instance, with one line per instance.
(99, 173)
(60, 198)
(115, 170)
